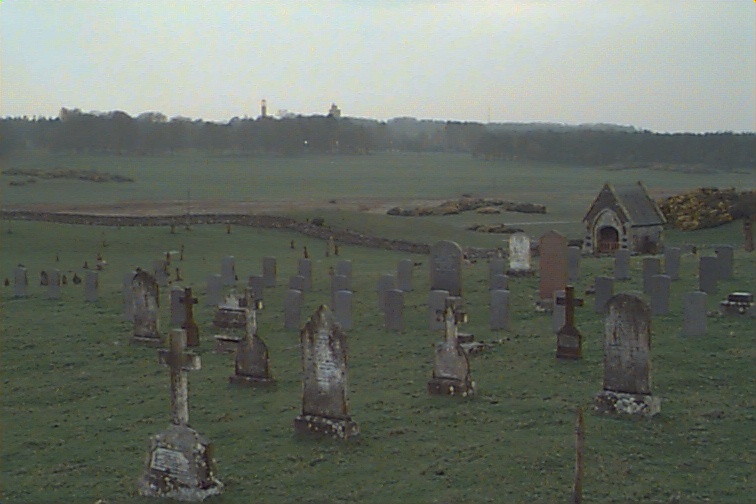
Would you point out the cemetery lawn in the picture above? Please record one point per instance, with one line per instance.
(79, 403)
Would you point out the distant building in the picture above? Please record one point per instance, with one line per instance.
(334, 111)
(624, 217)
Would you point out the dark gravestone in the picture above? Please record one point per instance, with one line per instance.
(496, 266)
(393, 314)
(304, 269)
(446, 267)
(231, 317)
(342, 308)
(128, 296)
(557, 311)
(404, 275)
(338, 283)
(160, 271)
(708, 274)
(672, 262)
(748, 241)
(573, 264)
(436, 302)
(145, 296)
(228, 270)
(451, 367)
(213, 292)
(659, 297)
(325, 407)
(627, 359)
(293, 309)
(604, 290)
(252, 360)
(621, 264)
(20, 282)
(499, 310)
(298, 282)
(385, 283)
(91, 285)
(725, 258)
(569, 339)
(651, 267)
(256, 283)
(189, 325)
(270, 271)
(180, 463)
(53, 285)
(177, 310)
(553, 264)
(44, 278)
(344, 267)
(499, 282)
(694, 313)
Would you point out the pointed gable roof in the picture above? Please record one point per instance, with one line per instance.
(632, 200)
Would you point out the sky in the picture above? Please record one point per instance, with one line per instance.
(662, 65)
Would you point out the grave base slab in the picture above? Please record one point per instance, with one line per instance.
(322, 427)
(225, 344)
(251, 381)
(521, 272)
(622, 403)
(451, 387)
(148, 341)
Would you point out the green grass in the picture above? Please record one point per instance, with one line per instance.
(79, 403)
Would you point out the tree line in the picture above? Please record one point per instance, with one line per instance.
(152, 133)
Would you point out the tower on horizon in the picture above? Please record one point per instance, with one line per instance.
(263, 109)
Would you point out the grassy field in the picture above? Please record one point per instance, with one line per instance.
(79, 402)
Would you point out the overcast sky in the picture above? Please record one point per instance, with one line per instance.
(664, 65)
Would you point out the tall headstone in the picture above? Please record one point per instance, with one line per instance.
(180, 463)
(20, 282)
(145, 296)
(627, 359)
(404, 275)
(160, 271)
(128, 296)
(659, 297)
(553, 264)
(177, 309)
(573, 264)
(451, 367)
(252, 360)
(293, 309)
(270, 271)
(499, 310)
(604, 290)
(189, 325)
(386, 282)
(256, 284)
(672, 262)
(519, 253)
(393, 314)
(338, 283)
(569, 339)
(436, 302)
(53, 285)
(446, 267)
(651, 267)
(496, 266)
(342, 308)
(694, 313)
(499, 282)
(213, 291)
(344, 267)
(228, 270)
(305, 270)
(91, 285)
(325, 407)
(725, 260)
(621, 264)
(708, 274)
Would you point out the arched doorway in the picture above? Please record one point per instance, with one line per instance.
(608, 239)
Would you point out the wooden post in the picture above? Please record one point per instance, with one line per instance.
(577, 491)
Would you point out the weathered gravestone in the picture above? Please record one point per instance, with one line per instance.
(213, 291)
(252, 361)
(228, 270)
(436, 303)
(231, 317)
(557, 311)
(573, 264)
(725, 260)
(293, 309)
(342, 308)
(53, 285)
(604, 290)
(128, 296)
(298, 282)
(519, 253)
(748, 241)
(338, 283)
(404, 275)
(627, 359)
(145, 298)
(659, 298)
(672, 262)
(20, 282)
(393, 314)
(499, 282)
(270, 271)
(451, 367)
(325, 408)
(256, 283)
(446, 267)
(189, 324)
(304, 269)
(91, 285)
(177, 310)
(344, 267)
(499, 310)
(386, 282)
(621, 264)
(160, 271)
(708, 274)
(553, 264)
(651, 267)
(180, 463)
(496, 266)
(694, 313)
(569, 339)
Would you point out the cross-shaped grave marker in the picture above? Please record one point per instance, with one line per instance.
(569, 339)
(452, 317)
(189, 324)
(180, 362)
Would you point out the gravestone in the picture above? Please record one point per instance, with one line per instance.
(748, 241)
(451, 367)
(569, 339)
(404, 275)
(304, 269)
(53, 285)
(496, 266)
(189, 325)
(725, 260)
(499, 282)
(499, 310)
(573, 264)
(213, 291)
(557, 311)
(293, 309)
(91, 285)
(708, 274)
(659, 297)
(228, 271)
(393, 314)
(177, 310)
(145, 297)
(627, 359)
(270, 271)
(180, 463)
(344, 267)
(436, 303)
(252, 360)
(621, 264)
(342, 308)
(694, 313)
(651, 267)
(519, 253)
(386, 282)
(604, 290)
(256, 284)
(160, 271)
(128, 296)
(338, 283)
(446, 267)
(672, 262)
(231, 317)
(20, 282)
(325, 406)
(298, 282)
(553, 264)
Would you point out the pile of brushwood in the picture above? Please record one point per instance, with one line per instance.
(465, 204)
(706, 207)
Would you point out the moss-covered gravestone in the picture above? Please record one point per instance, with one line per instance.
(451, 367)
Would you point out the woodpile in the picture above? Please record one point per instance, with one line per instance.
(704, 207)
(466, 204)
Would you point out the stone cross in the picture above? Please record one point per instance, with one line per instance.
(180, 363)
(569, 339)
(189, 324)
(452, 317)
